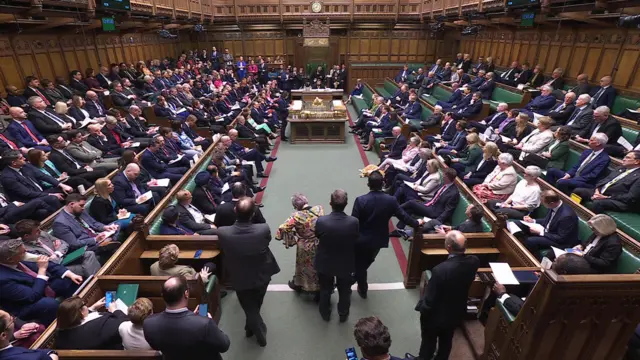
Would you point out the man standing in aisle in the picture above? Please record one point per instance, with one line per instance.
(373, 211)
(250, 265)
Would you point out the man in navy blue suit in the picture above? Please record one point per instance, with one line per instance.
(24, 132)
(246, 154)
(397, 146)
(603, 95)
(473, 108)
(560, 226)
(475, 83)
(128, 187)
(492, 120)
(447, 130)
(27, 289)
(541, 104)
(94, 106)
(158, 168)
(458, 142)
(413, 110)
(403, 74)
(587, 171)
(463, 100)
(373, 211)
(486, 88)
(8, 352)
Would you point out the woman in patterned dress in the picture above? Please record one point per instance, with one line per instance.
(299, 229)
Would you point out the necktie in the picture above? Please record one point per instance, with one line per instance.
(31, 180)
(3, 201)
(559, 108)
(48, 291)
(615, 180)
(98, 107)
(534, 79)
(597, 95)
(585, 162)
(551, 215)
(46, 248)
(574, 116)
(506, 75)
(56, 119)
(33, 137)
(437, 195)
(46, 101)
(135, 189)
(11, 144)
(86, 226)
(71, 158)
(209, 196)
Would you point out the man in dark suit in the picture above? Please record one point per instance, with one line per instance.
(523, 76)
(33, 88)
(156, 166)
(413, 110)
(403, 74)
(246, 154)
(620, 191)
(226, 214)
(444, 303)
(428, 84)
(29, 289)
(447, 130)
(14, 98)
(24, 132)
(587, 171)
(76, 83)
(475, 83)
(179, 333)
(556, 82)
(9, 325)
(462, 100)
(190, 217)
(559, 226)
(417, 79)
(64, 162)
(582, 85)
(561, 113)
(541, 104)
(473, 108)
(440, 208)
(486, 88)
(492, 120)
(93, 105)
(582, 116)
(337, 234)
(374, 210)
(397, 146)
(510, 75)
(603, 95)
(46, 122)
(604, 123)
(118, 97)
(250, 265)
(127, 187)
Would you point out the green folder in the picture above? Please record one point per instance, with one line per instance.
(74, 255)
(128, 293)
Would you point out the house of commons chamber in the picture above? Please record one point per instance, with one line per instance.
(320, 179)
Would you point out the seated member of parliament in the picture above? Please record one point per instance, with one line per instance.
(190, 217)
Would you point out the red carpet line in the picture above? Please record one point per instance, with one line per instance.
(274, 152)
(395, 242)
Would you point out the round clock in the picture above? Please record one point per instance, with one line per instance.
(316, 6)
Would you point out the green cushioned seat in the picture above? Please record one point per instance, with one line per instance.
(566, 87)
(211, 283)
(383, 92)
(572, 159)
(584, 231)
(627, 263)
(359, 104)
(509, 317)
(629, 134)
(439, 94)
(426, 113)
(622, 103)
(501, 95)
(629, 223)
(390, 87)
(367, 96)
(459, 215)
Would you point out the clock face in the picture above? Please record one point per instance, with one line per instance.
(316, 6)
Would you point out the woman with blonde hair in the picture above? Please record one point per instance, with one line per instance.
(500, 183)
(487, 163)
(104, 209)
(299, 229)
(131, 331)
(515, 133)
(408, 154)
(167, 265)
(469, 157)
(603, 248)
(425, 188)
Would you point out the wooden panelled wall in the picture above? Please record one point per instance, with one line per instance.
(576, 50)
(48, 56)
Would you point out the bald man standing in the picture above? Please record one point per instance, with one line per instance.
(445, 298)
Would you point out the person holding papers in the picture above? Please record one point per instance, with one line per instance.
(525, 198)
(603, 122)
(456, 144)
(192, 218)
(407, 155)
(129, 192)
(170, 153)
(156, 165)
(476, 174)
(559, 228)
(447, 130)
(619, 191)
(603, 248)
(424, 188)
(82, 327)
(555, 154)
(78, 229)
(372, 113)
(39, 242)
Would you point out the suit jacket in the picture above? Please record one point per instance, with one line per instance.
(446, 203)
(250, 263)
(458, 142)
(413, 111)
(455, 96)
(97, 334)
(154, 165)
(606, 98)
(556, 84)
(138, 127)
(625, 190)
(561, 113)
(43, 124)
(397, 146)
(464, 79)
(104, 144)
(563, 228)
(373, 211)
(20, 187)
(536, 141)
(67, 228)
(226, 215)
(580, 89)
(96, 109)
(187, 220)
(493, 122)
(484, 170)
(123, 192)
(559, 154)
(202, 202)
(64, 164)
(20, 353)
(120, 99)
(469, 226)
(611, 127)
(469, 110)
(48, 240)
(84, 152)
(592, 171)
(448, 131)
(541, 104)
(524, 77)
(337, 234)
(509, 75)
(580, 119)
(603, 256)
(475, 83)
(445, 297)
(185, 335)
(20, 291)
(487, 89)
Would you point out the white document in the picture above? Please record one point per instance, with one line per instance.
(120, 305)
(225, 187)
(358, 96)
(505, 139)
(176, 159)
(534, 226)
(488, 132)
(503, 274)
(622, 141)
(163, 182)
(196, 157)
(409, 184)
(86, 122)
(513, 227)
(106, 93)
(210, 217)
(426, 219)
(108, 234)
(135, 144)
(536, 118)
(437, 137)
(144, 197)
(558, 252)
(181, 110)
(546, 263)
(438, 145)
(440, 158)
(235, 107)
(521, 86)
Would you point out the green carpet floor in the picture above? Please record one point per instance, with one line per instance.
(295, 329)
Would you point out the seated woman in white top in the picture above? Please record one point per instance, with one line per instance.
(407, 155)
(525, 198)
(500, 183)
(131, 331)
(424, 188)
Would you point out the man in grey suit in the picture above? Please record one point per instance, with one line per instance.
(250, 264)
(180, 333)
(86, 153)
(582, 116)
(335, 257)
(192, 218)
(42, 243)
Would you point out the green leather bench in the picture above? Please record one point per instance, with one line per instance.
(365, 102)
(629, 223)
(622, 103)
(426, 113)
(501, 95)
(629, 134)
(388, 89)
(459, 215)
(439, 94)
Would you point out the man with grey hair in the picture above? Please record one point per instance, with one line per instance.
(444, 303)
(29, 288)
(590, 168)
(582, 116)
(335, 256)
(137, 123)
(46, 121)
(491, 121)
(561, 113)
(397, 146)
(556, 81)
(604, 123)
(542, 104)
(603, 95)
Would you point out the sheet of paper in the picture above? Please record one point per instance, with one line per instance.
(534, 226)
(124, 215)
(546, 263)
(438, 145)
(503, 274)
(409, 184)
(163, 182)
(558, 252)
(106, 93)
(376, 130)
(120, 305)
(144, 197)
(627, 145)
(633, 111)
(210, 217)
(196, 157)
(181, 110)
(440, 158)
(426, 219)
(176, 159)
(438, 137)
(225, 187)
(521, 86)
(505, 139)
(108, 234)
(513, 227)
